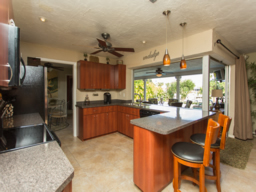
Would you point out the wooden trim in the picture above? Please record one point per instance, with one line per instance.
(68, 188)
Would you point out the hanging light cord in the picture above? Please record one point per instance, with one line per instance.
(182, 41)
(166, 30)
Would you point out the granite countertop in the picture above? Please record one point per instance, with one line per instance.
(40, 168)
(22, 120)
(174, 120)
(150, 107)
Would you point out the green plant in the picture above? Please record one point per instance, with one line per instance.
(85, 55)
(107, 58)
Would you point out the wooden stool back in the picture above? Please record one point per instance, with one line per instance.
(211, 137)
(224, 122)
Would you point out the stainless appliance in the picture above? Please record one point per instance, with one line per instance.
(146, 113)
(17, 69)
(107, 98)
(26, 136)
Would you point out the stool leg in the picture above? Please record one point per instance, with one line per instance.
(217, 168)
(202, 179)
(176, 175)
(214, 164)
(195, 174)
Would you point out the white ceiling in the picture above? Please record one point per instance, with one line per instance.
(75, 24)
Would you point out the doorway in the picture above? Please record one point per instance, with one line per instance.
(74, 74)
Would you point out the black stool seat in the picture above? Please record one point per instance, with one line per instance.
(188, 152)
(200, 139)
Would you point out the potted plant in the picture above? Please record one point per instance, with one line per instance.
(85, 56)
(107, 58)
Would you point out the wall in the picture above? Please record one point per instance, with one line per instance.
(43, 51)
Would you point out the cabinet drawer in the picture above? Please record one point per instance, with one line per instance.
(87, 111)
(112, 109)
(122, 109)
(134, 111)
(94, 110)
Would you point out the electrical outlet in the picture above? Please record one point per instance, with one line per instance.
(95, 94)
(123, 94)
(120, 93)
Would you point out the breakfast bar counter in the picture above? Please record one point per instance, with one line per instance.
(153, 140)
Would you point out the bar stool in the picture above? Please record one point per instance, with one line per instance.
(199, 139)
(195, 156)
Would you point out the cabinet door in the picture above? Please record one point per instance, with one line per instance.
(120, 77)
(106, 76)
(121, 122)
(98, 77)
(4, 9)
(130, 131)
(89, 126)
(100, 124)
(81, 75)
(89, 75)
(112, 69)
(112, 121)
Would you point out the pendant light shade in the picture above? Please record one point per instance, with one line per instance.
(159, 74)
(166, 59)
(183, 63)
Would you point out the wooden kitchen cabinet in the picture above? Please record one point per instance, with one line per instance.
(91, 75)
(6, 13)
(120, 77)
(97, 121)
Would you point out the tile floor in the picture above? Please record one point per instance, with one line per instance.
(106, 164)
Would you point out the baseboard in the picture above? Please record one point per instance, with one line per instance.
(231, 136)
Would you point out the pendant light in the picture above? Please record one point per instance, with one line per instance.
(183, 63)
(166, 59)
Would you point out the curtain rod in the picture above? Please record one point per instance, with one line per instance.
(219, 42)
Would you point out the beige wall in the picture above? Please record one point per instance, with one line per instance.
(43, 51)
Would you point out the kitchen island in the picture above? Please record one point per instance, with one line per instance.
(153, 140)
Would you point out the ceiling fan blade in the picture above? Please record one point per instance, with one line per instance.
(124, 49)
(150, 72)
(102, 43)
(96, 52)
(115, 53)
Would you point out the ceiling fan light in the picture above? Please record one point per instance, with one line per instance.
(159, 74)
(183, 64)
(166, 59)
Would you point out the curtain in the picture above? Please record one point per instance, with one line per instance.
(242, 119)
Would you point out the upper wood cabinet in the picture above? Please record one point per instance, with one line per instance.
(6, 14)
(92, 75)
(120, 76)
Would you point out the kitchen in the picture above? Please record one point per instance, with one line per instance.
(199, 44)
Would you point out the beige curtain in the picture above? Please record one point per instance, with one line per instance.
(242, 120)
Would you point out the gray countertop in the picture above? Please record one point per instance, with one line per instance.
(22, 120)
(174, 120)
(40, 168)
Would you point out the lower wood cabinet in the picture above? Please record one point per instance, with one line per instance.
(97, 121)
(124, 125)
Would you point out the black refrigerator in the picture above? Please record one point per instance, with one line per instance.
(30, 97)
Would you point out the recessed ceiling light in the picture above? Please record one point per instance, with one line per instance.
(42, 19)
(143, 42)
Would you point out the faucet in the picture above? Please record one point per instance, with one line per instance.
(138, 95)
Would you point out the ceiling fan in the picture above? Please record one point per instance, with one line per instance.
(106, 46)
(32, 61)
(159, 72)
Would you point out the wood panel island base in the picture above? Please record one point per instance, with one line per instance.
(153, 160)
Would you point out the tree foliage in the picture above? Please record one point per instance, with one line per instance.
(185, 87)
(171, 89)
